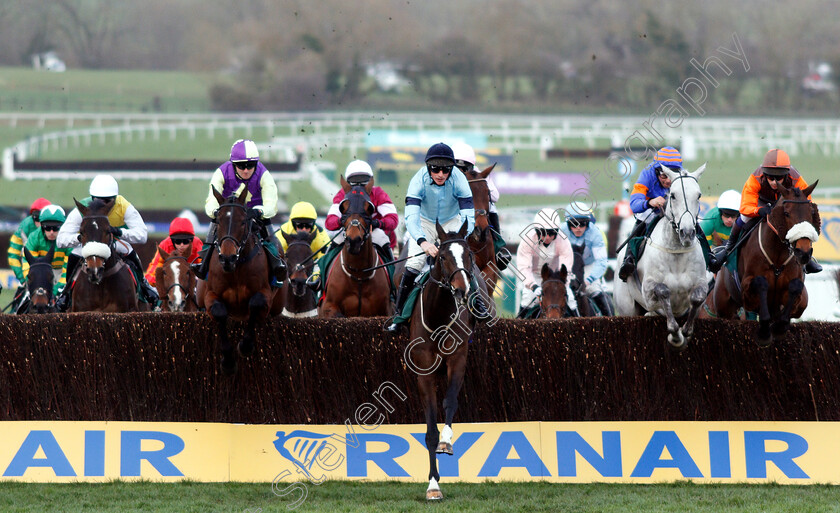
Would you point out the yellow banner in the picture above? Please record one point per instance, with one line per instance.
(573, 452)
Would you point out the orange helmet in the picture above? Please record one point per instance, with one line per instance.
(776, 163)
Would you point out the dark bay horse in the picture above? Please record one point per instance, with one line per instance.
(440, 329)
(585, 308)
(553, 299)
(481, 239)
(353, 288)
(176, 284)
(300, 299)
(39, 283)
(237, 284)
(110, 285)
(770, 278)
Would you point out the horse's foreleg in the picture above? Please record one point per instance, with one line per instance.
(257, 311)
(220, 314)
(662, 295)
(759, 287)
(426, 385)
(782, 323)
(696, 298)
(455, 369)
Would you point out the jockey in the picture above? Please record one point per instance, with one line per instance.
(127, 226)
(40, 242)
(465, 161)
(718, 222)
(757, 199)
(647, 201)
(581, 230)
(302, 218)
(244, 170)
(435, 194)
(181, 242)
(539, 246)
(383, 223)
(18, 240)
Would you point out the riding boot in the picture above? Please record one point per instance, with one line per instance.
(629, 263)
(812, 266)
(406, 286)
(720, 253)
(603, 303)
(503, 258)
(476, 303)
(200, 269)
(385, 252)
(148, 293)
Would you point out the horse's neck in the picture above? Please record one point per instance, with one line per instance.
(772, 242)
(364, 259)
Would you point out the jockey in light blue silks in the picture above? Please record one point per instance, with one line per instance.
(435, 194)
(581, 230)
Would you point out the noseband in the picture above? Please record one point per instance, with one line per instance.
(447, 281)
(238, 243)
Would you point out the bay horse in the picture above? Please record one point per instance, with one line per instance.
(440, 329)
(670, 277)
(176, 284)
(553, 300)
(585, 308)
(300, 299)
(352, 287)
(770, 279)
(237, 284)
(110, 285)
(481, 239)
(40, 282)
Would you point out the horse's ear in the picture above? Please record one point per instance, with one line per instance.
(50, 254)
(242, 196)
(545, 272)
(81, 208)
(311, 237)
(668, 172)
(696, 174)
(286, 235)
(163, 254)
(487, 171)
(344, 185)
(463, 231)
(370, 209)
(564, 273)
(27, 255)
(343, 206)
(218, 195)
(439, 229)
(808, 190)
(782, 189)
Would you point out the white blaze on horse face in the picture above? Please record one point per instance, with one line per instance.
(803, 230)
(176, 278)
(458, 254)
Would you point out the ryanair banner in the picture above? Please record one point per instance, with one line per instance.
(571, 452)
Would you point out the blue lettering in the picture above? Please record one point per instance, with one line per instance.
(357, 457)
(652, 456)
(719, 459)
(570, 442)
(448, 465)
(498, 457)
(53, 456)
(94, 453)
(756, 454)
(132, 454)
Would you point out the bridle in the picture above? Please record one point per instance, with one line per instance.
(41, 291)
(553, 306)
(302, 266)
(673, 220)
(238, 243)
(188, 295)
(777, 270)
(447, 281)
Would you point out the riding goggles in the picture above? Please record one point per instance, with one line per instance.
(245, 165)
(303, 225)
(440, 169)
(577, 223)
(50, 228)
(180, 240)
(543, 232)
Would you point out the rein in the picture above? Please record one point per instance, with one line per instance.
(237, 242)
(446, 285)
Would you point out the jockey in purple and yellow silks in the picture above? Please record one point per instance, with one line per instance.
(244, 170)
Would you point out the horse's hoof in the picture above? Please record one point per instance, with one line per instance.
(229, 366)
(444, 448)
(678, 341)
(764, 342)
(434, 495)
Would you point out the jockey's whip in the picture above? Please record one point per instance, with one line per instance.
(392, 262)
(310, 257)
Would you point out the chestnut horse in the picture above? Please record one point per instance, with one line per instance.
(175, 282)
(110, 285)
(39, 283)
(481, 240)
(553, 299)
(770, 279)
(300, 299)
(237, 284)
(354, 287)
(441, 326)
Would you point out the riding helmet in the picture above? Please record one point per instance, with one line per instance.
(104, 186)
(776, 163)
(38, 204)
(464, 152)
(244, 150)
(440, 154)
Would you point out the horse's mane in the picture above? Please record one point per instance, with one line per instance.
(97, 207)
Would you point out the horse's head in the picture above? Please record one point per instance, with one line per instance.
(96, 238)
(299, 260)
(553, 300)
(233, 228)
(481, 196)
(356, 214)
(40, 281)
(683, 202)
(454, 262)
(797, 220)
(175, 282)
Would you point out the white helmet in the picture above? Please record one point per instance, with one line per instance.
(356, 168)
(729, 200)
(104, 186)
(463, 151)
(547, 219)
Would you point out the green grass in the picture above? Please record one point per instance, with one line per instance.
(389, 497)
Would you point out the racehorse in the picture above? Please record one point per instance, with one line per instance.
(353, 287)
(553, 299)
(770, 279)
(39, 283)
(176, 284)
(300, 299)
(237, 284)
(481, 240)
(670, 277)
(110, 285)
(440, 328)
(585, 308)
